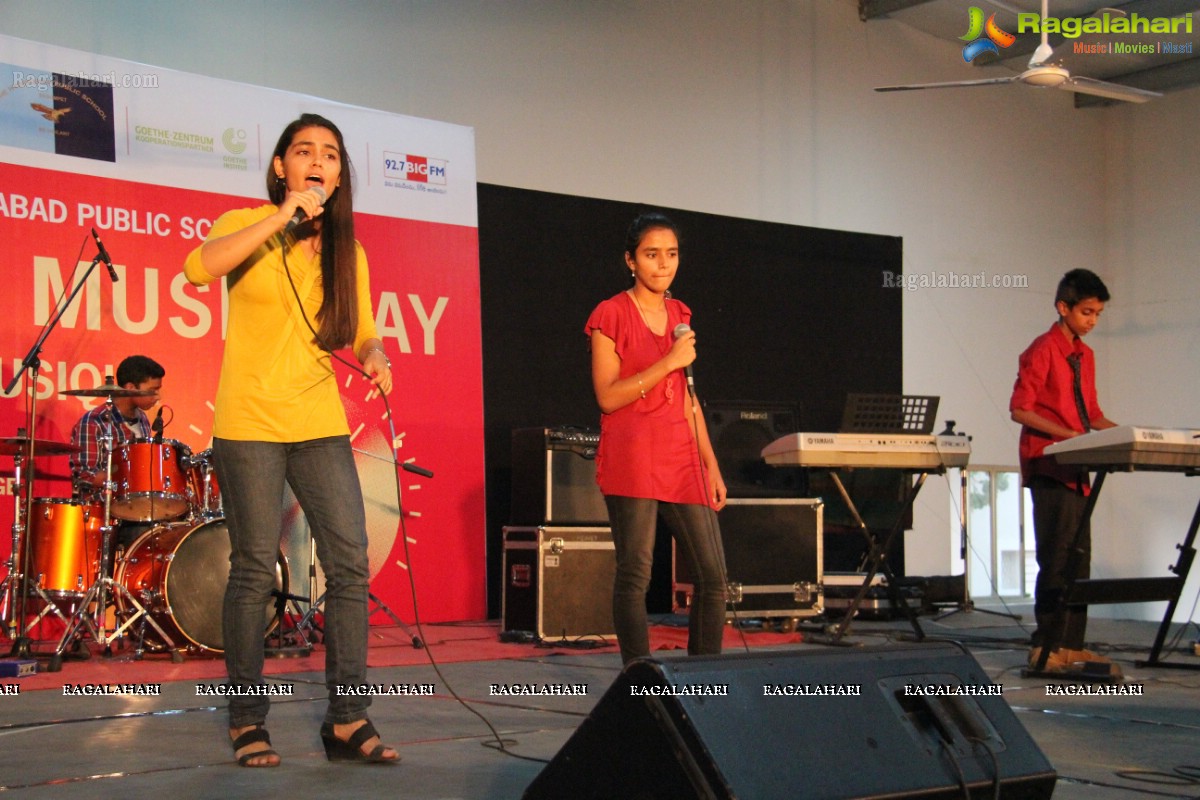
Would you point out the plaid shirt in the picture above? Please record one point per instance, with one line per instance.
(86, 435)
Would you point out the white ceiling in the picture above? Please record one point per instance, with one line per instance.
(947, 20)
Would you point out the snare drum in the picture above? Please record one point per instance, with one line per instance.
(64, 546)
(178, 572)
(150, 481)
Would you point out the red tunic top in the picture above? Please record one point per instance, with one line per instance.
(646, 448)
(1045, 385)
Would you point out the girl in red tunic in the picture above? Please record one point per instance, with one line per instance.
(655, 455)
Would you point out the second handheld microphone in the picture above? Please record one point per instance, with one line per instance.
(683, 329)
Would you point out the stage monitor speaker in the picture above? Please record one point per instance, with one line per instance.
(913, 721)
(554, 477)
(739, 432)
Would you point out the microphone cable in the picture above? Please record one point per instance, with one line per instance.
(500, 743)
(711, 528)
(713, 531)
(157, 432)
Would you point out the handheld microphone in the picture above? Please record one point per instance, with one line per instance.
(301, 214)
(682, 329)
(157, 426)
(112, 273)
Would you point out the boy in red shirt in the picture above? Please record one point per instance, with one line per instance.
(1053, 399)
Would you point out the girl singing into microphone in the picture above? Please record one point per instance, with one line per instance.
(655, 455)
(296, 293)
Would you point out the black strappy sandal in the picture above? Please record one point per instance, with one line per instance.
(256, 734)
(337, 749)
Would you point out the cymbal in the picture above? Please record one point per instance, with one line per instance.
(109, 390)
(17, 445)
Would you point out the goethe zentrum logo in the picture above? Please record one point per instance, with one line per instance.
(983, 37)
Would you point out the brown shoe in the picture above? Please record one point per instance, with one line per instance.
(1064, 661)
(1034, 654)
(1057, 662)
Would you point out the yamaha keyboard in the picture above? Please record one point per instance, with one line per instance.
(1125, 448)
(882, 450)
(1132, 447)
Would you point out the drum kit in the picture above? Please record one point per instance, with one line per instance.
(169, 581)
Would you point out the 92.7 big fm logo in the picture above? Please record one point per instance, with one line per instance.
(417, 169)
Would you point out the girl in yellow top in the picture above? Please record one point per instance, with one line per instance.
(279, 418)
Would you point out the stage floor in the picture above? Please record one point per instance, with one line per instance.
(55, 742)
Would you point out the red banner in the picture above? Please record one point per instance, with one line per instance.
(425, 291)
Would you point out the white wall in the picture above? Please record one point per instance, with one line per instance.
(765, 110)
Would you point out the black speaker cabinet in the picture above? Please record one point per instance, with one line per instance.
(554, 477)
(913, 721)
(739, 432)
(558, 582)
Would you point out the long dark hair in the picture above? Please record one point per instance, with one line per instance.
(337, 321)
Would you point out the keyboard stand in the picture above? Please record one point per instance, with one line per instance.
(877, 558)
(1117, 590)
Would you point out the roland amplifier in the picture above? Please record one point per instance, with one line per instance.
(739, 432)
(554, 477)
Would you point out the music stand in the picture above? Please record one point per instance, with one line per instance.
(889, 413)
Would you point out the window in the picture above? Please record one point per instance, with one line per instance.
(1001, 557)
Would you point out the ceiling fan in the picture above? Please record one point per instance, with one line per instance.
(1042, 72)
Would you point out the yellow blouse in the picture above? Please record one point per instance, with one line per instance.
(276, 385)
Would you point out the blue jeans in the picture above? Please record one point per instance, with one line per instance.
(698, 539)
(323, 477)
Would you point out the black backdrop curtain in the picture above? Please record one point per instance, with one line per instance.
(783, 313)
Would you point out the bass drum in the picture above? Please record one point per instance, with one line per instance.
(178, 572)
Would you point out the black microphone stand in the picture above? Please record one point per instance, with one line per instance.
(308, 621)
(966, 605)
(302, 647)
(32, 363)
